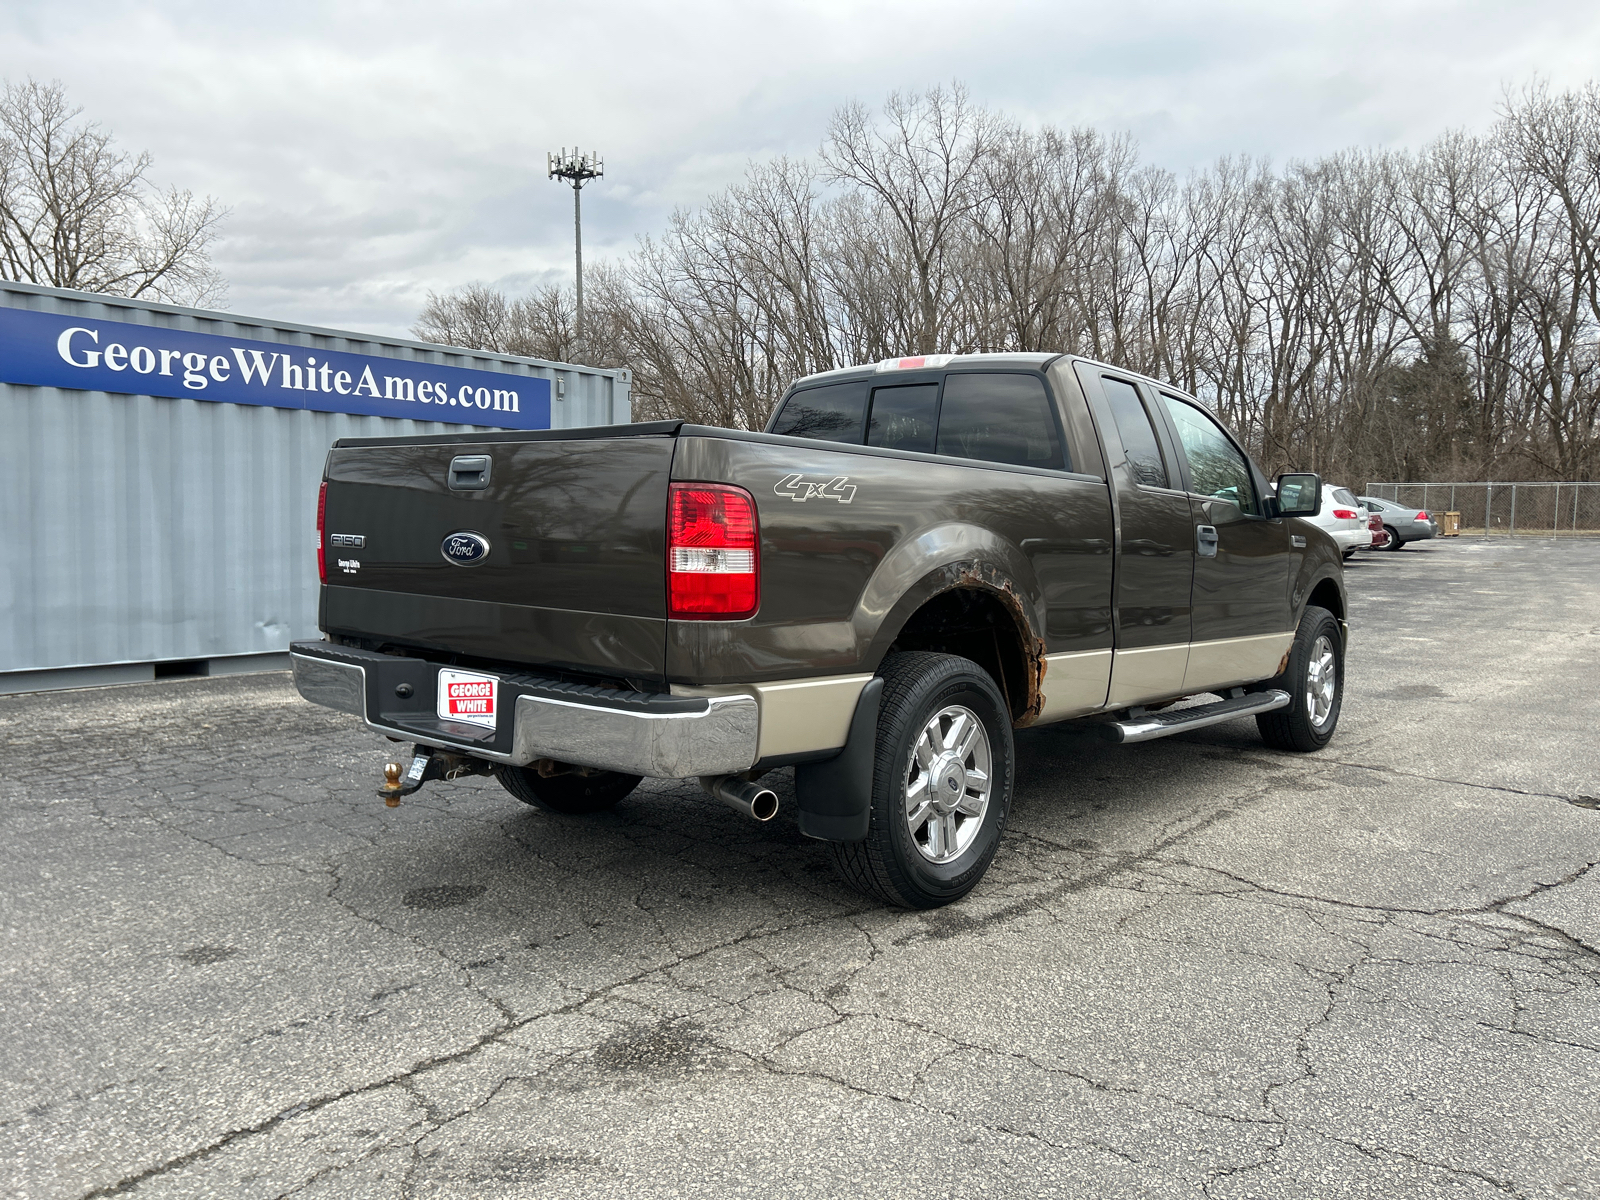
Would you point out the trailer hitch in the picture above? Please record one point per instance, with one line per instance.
(427, 763)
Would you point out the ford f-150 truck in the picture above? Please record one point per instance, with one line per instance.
(911, 561)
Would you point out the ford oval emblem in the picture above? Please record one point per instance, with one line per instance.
(465, 549)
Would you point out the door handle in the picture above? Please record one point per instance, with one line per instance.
(1206, 540)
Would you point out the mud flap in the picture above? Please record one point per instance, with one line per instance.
(835, 795)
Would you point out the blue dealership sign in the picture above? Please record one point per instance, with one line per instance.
(51, 350)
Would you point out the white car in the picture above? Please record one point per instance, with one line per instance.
(1345, 519)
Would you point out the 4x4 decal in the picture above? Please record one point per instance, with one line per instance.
(799, 489)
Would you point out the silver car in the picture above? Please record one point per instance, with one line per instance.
(1404, 524)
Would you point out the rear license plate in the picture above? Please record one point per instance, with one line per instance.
(468, 696)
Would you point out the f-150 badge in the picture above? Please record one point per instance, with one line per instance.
(799, 489)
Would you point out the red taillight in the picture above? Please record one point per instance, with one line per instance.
(322, 554)
(1345, 514)
(1421, 516)
(713, 553)
(1374, 522)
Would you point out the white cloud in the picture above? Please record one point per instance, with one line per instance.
(373, 151)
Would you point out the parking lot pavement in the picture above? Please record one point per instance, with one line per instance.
(1198, 967)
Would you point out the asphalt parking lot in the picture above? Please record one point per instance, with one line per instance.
(1198, 967)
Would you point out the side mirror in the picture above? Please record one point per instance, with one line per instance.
(1299, 495)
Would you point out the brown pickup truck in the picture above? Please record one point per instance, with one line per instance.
(912, 560)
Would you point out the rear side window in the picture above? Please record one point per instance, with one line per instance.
(903, 417)
(832, 413)
(1137, 434)
(999, 418)
(1345, 496)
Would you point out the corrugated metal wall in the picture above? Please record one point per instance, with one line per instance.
(142, 529)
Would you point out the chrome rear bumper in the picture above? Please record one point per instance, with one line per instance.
(666, 737)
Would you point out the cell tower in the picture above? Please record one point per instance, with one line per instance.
(577, 169)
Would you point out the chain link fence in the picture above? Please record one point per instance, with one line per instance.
(1504, 509)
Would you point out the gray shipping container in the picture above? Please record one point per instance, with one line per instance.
(147, 535)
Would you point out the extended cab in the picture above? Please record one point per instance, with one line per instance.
(913, 559)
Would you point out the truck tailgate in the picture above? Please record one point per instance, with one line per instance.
(574, 577)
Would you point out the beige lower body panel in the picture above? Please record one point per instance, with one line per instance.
(797, 715)
(1147, 673)
(1074, 685)
(1229, 662)
(1165, 672)
(803, 715)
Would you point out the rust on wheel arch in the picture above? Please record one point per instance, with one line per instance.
(986, 578)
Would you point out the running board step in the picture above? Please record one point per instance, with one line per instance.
(1148, 727)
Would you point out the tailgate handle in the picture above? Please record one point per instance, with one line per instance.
(470, 472)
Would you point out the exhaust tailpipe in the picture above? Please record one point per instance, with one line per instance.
(751, 799)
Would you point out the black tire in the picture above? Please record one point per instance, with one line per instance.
(570, 795)
(1295, 727)
(1394, 539)
(902, 865)
(1347, 555)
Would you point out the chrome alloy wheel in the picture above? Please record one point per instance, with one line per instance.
(947, 784)
(1322, 680)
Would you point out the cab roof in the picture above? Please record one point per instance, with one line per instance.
(933, 362)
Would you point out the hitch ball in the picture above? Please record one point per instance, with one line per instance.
(391, 784)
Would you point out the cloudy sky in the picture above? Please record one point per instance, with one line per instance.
(373, 151)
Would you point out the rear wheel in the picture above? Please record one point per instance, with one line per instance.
(1314, 680)
(941, 784)
(1347, 554)
(1394, 539)
(572, 794)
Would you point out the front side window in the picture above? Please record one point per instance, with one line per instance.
(1138, 436)
(1216, 468)
(903, 417)
(831, 413)
(999, 418)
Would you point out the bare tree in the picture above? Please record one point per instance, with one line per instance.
(919, 168)
(76, 212)
(1367, 314)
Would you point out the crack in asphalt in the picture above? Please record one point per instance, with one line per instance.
(422, 1066)
(1493, 906)
(1111, 867)
(1501, 1185)
(776, 1010)
(1377, 768)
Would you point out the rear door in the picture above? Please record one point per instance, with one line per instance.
(1007, 418)
(1242, 619)
(1155, 556)
(574, 571)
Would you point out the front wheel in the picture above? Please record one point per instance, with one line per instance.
(941, 783)
(1314, 680)
(571, 795)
